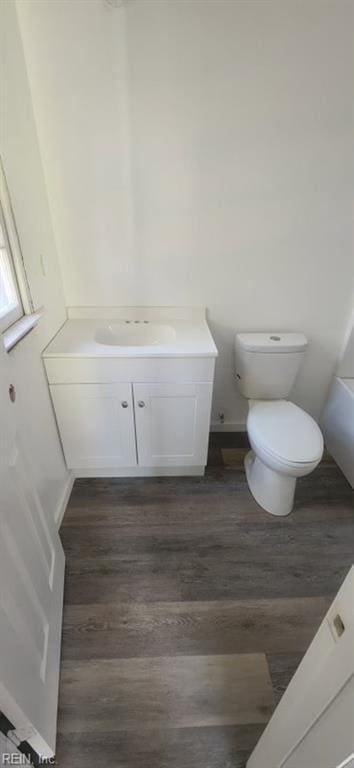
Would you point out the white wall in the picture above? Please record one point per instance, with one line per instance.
(76, 62)
(346, 365)
(201, 153)
(22, 164)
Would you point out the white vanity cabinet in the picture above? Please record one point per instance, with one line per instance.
(133, 410)
(107, 427)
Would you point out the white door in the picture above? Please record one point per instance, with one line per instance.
(96, 424)
(313, 726)
(172, 423)
(31, 588)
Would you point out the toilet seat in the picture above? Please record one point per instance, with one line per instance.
(284, 434)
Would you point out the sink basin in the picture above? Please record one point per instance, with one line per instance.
(134, 334)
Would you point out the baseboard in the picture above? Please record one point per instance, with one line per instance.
(228, 426)
(141, 472)
(60, 510)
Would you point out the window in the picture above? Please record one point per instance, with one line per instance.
(11, 308)
(17, 316)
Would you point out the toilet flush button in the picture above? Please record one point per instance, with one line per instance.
(275, 338)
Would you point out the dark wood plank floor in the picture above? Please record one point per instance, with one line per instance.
(187, 610)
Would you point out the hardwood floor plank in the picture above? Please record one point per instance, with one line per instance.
(149, 500)
(170, 692)
(282, 667)
(176, 578)
(233, 539)
(229, 440)
(234, 457)
(157, 629)
(218, 499)
(214, 747)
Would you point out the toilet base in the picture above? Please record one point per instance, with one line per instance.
(272, 491)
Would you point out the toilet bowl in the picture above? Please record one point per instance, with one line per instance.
(285, 440)
(286, 444)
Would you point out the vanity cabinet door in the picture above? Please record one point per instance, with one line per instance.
(96, 424)
(172, 423)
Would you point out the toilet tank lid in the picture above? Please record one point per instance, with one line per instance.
(272, 342)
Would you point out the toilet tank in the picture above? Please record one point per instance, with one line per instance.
(267, 363)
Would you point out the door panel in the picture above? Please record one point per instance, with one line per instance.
(31, 588)
(312, 726)
(96, 424)
(336, 719)
(172, 423)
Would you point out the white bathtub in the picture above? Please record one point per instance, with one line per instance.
(338, 425)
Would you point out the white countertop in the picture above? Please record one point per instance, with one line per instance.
(187, 326)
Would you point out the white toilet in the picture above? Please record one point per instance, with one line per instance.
(286, 442)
